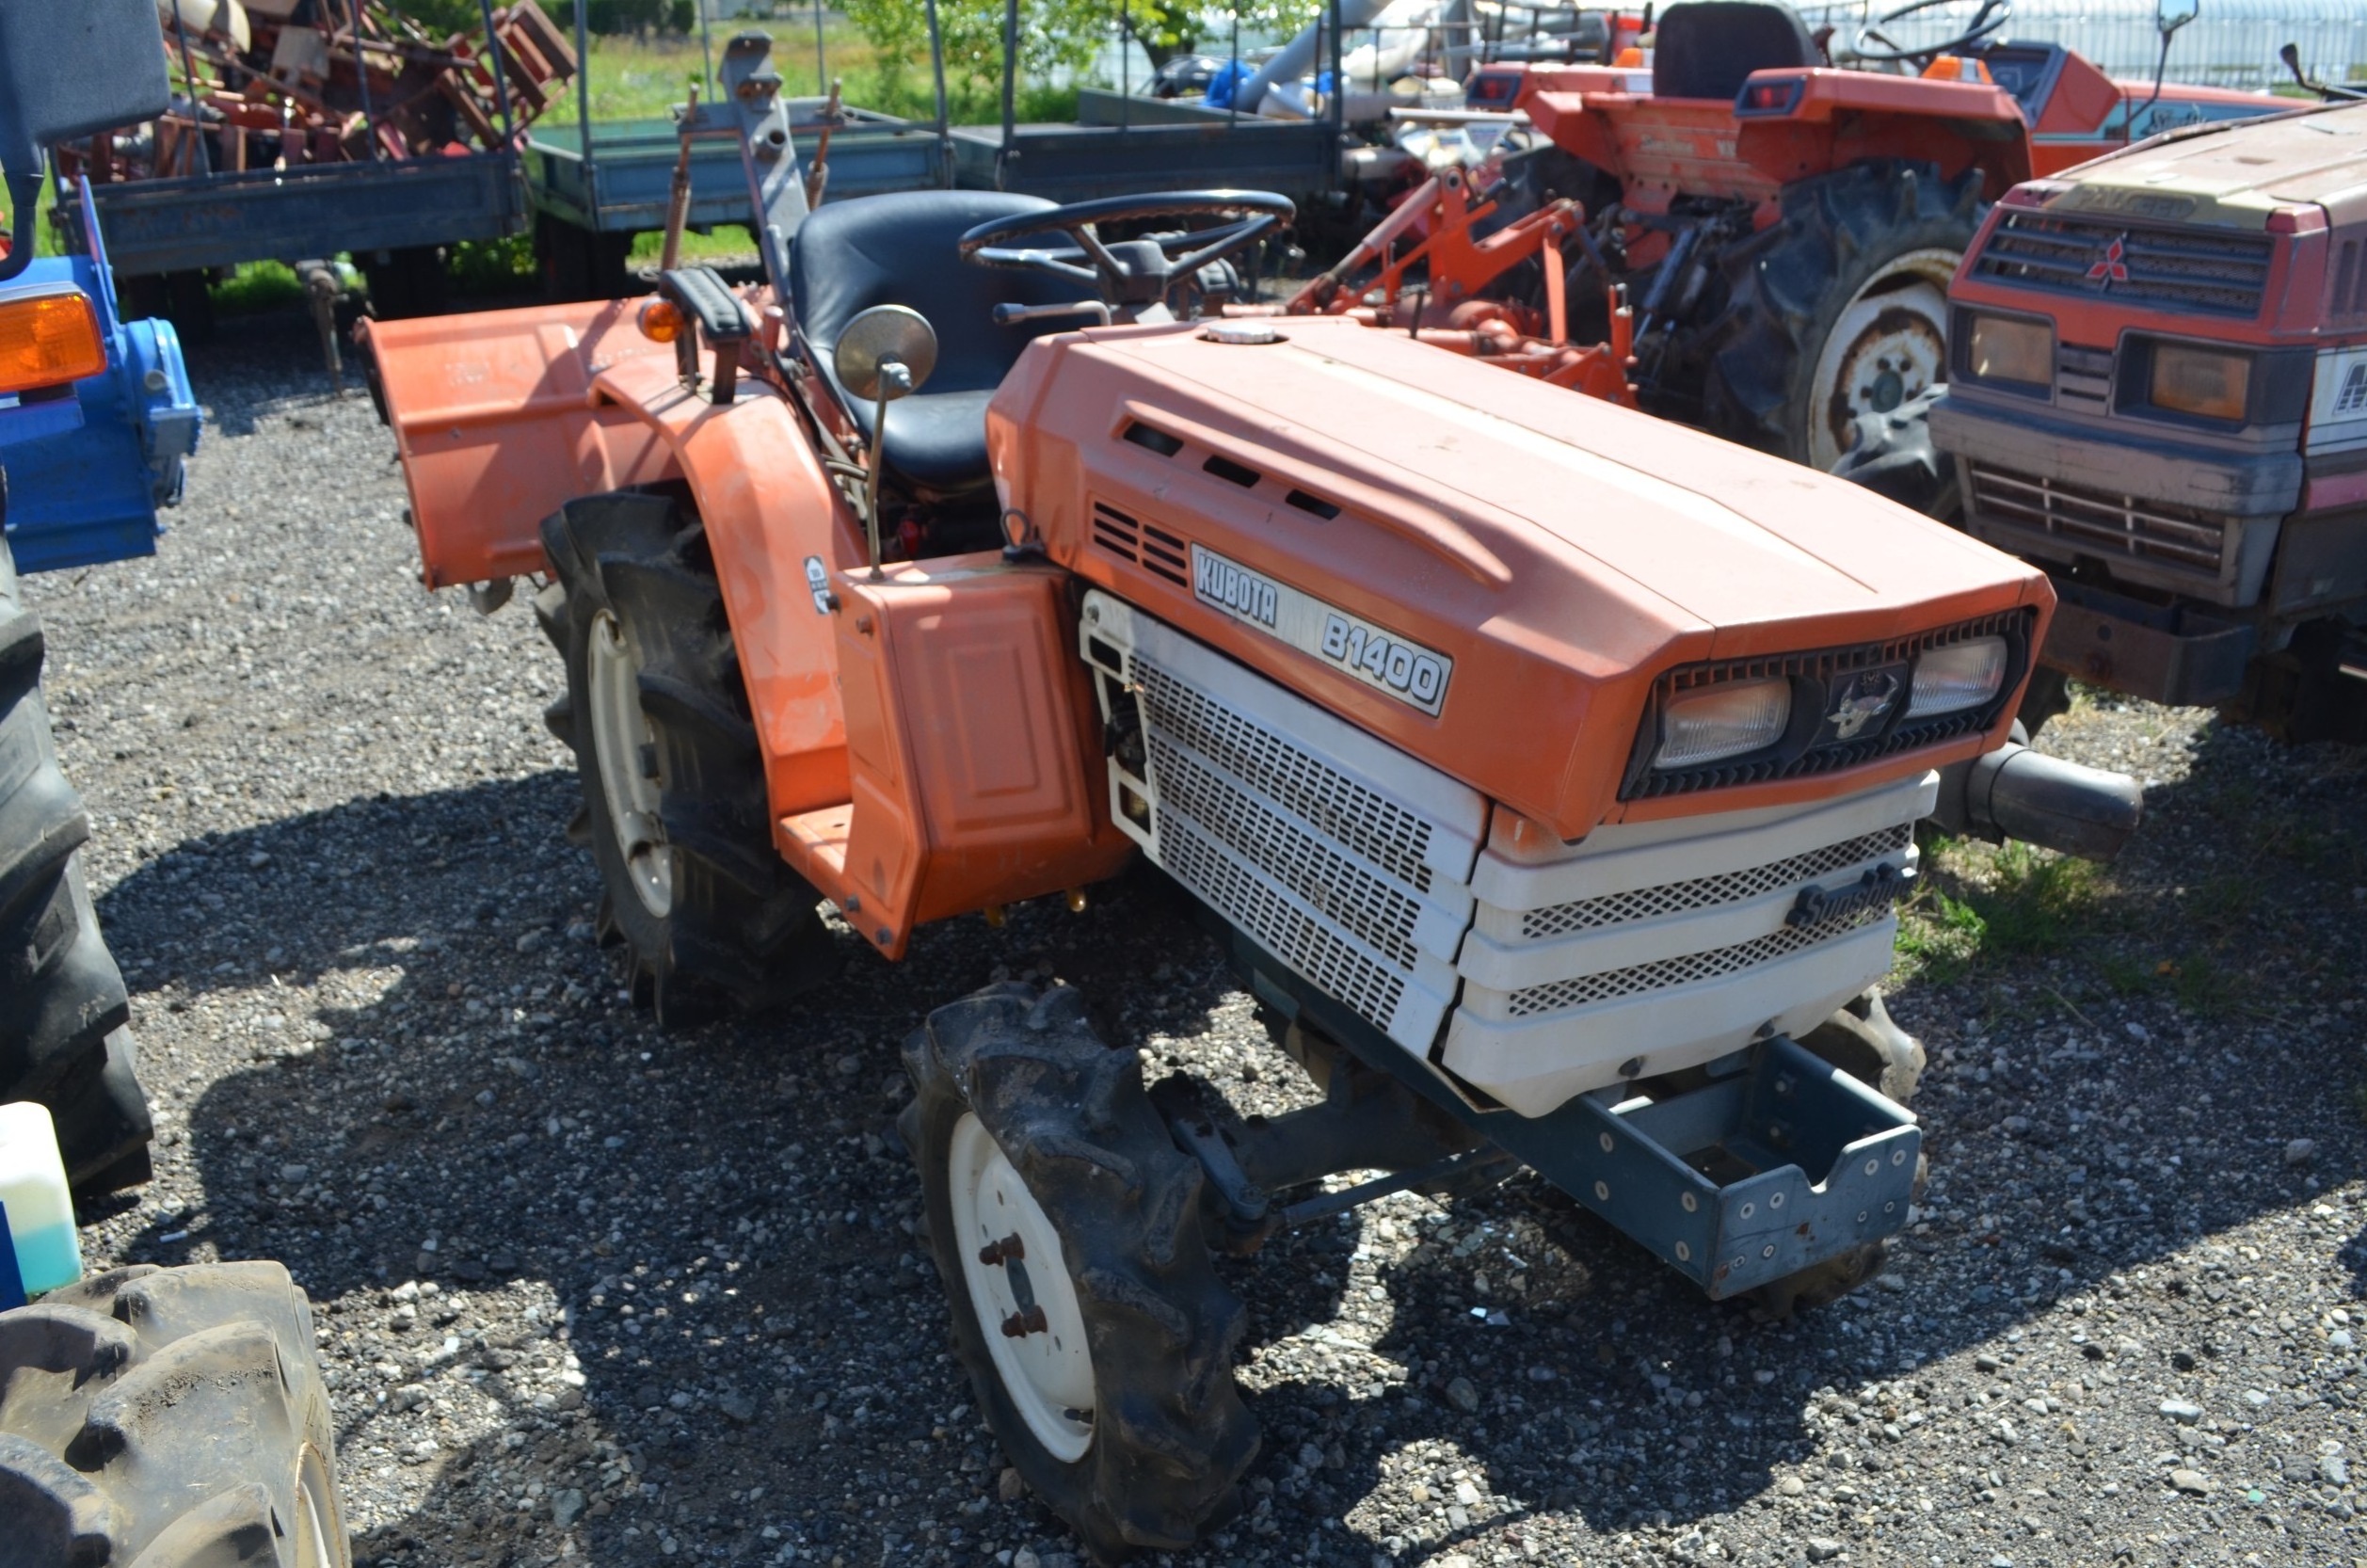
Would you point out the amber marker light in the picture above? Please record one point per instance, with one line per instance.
(660, 321)
(49, 336)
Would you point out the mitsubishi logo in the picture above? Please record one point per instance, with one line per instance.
(1860, 701)
(2114, 267)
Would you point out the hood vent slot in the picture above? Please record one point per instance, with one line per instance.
(1142, 544)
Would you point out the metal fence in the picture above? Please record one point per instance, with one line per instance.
(2231, 43)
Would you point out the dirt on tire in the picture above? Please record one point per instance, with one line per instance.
(741, 931)
(64, 1039)
(167, 1418)
(1171, 1437)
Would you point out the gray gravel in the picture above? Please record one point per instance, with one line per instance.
(592, 1293)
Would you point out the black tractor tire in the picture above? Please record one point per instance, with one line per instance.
(65, 1039)
(2047, 697)
(1789, 286)
(741, 931)
(1862, 1041)
(405, 282)
(1170, 1437)
(1892, 454)
(167, 1418)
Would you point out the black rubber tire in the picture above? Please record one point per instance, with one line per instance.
(1893, 456)
(744, 932)
(407, 283)
(64, 1015)
(1171, 1437)
(2047, 697)
(1788, 285)
(167, 1418)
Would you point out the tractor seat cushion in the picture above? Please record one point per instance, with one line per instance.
(1706, 48)
(900, 250)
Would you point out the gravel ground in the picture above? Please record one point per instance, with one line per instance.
(590, 1292)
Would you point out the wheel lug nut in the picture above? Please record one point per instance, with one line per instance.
(1004, 1251)
(1021, 1324)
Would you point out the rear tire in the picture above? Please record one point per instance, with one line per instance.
(1839, 308)
(65, 1039)
(1021, 1116)
(674, 811)
(167, 1418)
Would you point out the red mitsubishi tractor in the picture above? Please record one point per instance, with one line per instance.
(1784, 231)
(1547, 770)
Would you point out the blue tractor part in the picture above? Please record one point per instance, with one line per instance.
(87, 474)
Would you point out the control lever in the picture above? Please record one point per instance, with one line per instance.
(1011, 315)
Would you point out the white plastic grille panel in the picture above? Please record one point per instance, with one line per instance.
(1306, 944)
(1376, 829)
(1706, 892)
(1685, 969)
(1329, 882)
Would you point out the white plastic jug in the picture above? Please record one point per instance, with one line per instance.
(39, 1205)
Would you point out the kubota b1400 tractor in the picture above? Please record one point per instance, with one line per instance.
(1548, 771)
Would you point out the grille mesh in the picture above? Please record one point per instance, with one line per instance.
(1675, 898)
(1326, 881)
(1380, 833)
(1307, 945)
(2181, 537)
(2198, 269)
(1687, 970)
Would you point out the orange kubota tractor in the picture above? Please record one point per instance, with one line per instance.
(1548, 771)
(1784, 231)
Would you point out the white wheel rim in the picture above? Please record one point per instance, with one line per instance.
(314, 1547)
(1890, 344)
(619, 733)
(1047, 1372)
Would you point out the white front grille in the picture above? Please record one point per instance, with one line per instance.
(1342, 856)
(1704, 892)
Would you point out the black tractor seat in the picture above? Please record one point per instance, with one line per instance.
(899, 250)
(1706, 48)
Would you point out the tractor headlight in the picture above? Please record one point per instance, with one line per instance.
(2208, 382)
(1960, 676)
(1725, 720)
(2012, 349)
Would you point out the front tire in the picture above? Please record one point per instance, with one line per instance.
(1840, 309)
(1101, 1346)
(167, 1418)
(709, 917)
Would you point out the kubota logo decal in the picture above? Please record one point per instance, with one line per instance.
(1347, 642)
(2113, 267)
(2353, 398)
(1236, 589)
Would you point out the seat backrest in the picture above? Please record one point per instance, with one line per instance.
(900, 250)
(1705, 48)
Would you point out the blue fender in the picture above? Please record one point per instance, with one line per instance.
(87, 476)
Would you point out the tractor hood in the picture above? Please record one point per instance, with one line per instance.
(2234, 176)
(1554, 555)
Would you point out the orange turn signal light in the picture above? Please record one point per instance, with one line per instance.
(660, 321)
(49, 336)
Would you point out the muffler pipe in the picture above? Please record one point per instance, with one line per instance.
(2015, 792)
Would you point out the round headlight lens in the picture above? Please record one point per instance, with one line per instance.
(1960, 676)
(1722, 721)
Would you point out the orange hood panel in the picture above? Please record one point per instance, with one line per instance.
(1562, 551)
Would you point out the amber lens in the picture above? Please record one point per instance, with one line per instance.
(660, 321)
(2011, 348)
(48, 340)
(2205, 382)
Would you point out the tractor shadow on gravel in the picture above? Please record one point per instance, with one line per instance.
(432, 1050)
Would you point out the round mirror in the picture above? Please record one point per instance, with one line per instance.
(882, 335)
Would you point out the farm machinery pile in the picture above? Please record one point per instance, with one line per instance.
(1547, 770)
(1762, 241)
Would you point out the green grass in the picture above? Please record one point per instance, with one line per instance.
(1978, 909)
(645, 79)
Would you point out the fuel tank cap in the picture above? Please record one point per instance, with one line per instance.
(1247, 329)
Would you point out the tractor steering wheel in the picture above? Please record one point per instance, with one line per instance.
(1874, 46)
(1130, 273)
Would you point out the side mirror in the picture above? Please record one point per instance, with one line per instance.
(885, 352)
(68, 72)
(2171, 15)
